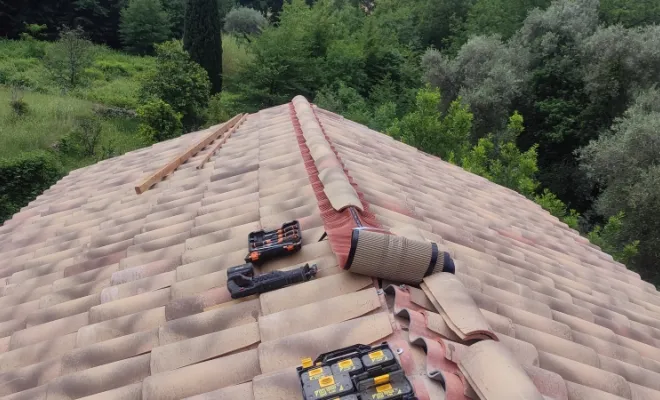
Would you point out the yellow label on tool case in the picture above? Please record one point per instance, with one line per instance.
(326, 381)
(307, 362)
(385, 392)
(314, 372)
(384, 388)
(377, 355)
(346, 364)
(379, 380)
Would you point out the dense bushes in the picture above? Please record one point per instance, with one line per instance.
(143, 24)
(179, 82)
(24, 177)
(159, 121)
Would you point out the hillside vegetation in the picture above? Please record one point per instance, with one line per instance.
(556, 99)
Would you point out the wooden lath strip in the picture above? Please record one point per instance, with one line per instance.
(157, 176)
(222, 141)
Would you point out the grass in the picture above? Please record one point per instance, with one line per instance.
(50, 118)
(112, 79)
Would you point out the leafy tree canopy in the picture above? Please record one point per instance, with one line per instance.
(143, 24)
(179, 82)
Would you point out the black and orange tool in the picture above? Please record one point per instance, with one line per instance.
(242, 282)
(267, 245)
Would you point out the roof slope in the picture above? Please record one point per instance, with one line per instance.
(114, 295)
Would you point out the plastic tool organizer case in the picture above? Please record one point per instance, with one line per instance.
(267, 245)
(355, 373)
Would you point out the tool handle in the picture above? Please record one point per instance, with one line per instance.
(241, 285)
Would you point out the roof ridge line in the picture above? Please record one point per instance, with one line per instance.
(342, 206)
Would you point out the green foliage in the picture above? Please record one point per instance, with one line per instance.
(33, 32)
(244, 21)
(18, 105)
(31, 36)
(625, 163)
(159, 121)
(610, 239)
(222, 107)
(344, 100)
(266, 7)
(84, 138)
(551, 203)
(500, 160)
(236, 56)
(69, 57)
(425, 128)
(179, 82)
(630, 13)
(143, 24)
(385, 115)
(282, 66)
(487, 74)
(315, 48)
(501, 17)
(23, 177)
(202, 38)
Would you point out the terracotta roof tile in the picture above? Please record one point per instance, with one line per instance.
(203, 377)
(118, 296)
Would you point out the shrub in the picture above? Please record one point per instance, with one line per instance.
(33, 33)
(245, 21)
(551, 203)
(610, 239)
(24, 177)
(179, 82)
(222, 107)
(18, 105)
(68, 58)
(159, 121)
(84, 138)
(111, 68)
(425, 128)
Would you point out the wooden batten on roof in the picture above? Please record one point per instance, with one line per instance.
(167, 169)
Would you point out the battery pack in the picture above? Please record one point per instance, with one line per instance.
(357, 372)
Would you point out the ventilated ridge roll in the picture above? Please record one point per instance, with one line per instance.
(392, 257)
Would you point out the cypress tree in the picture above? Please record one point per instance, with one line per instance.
(202, 38)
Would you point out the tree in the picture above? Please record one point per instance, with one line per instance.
(625, 162)
(273, 8)
(143, 24)
(283, 65)
(616, 63)
(245, 21)
(500, 160)
(425, 128)
(175, 10)
(68, 58)
(502, 17)
(344, 100)
(179, 82)
(202, 38)
(487, 74)
(630, 13)
(557, 109)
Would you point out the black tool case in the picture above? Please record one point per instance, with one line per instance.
(267, 245)
(357, 372)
